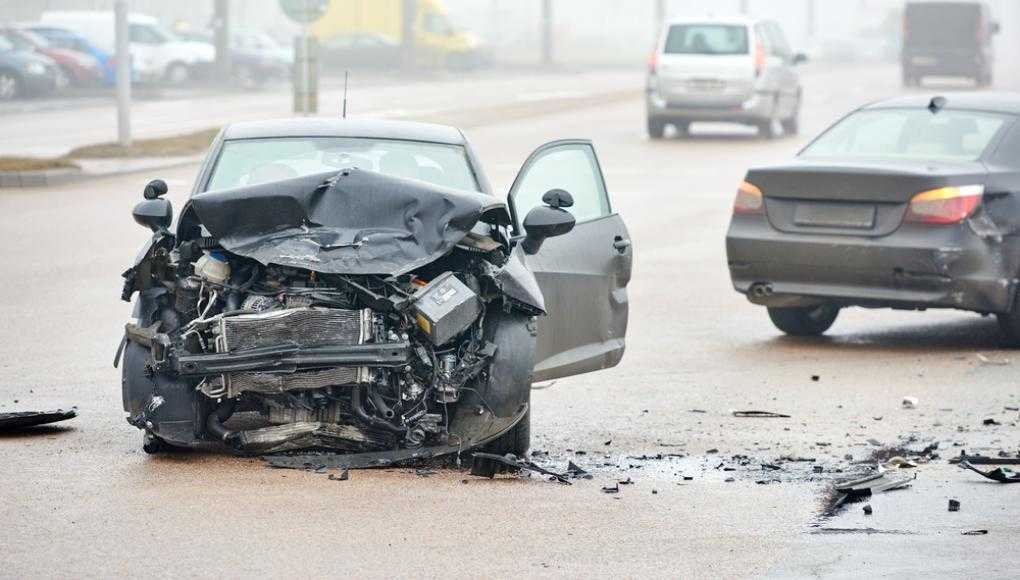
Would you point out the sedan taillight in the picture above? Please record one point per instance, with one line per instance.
(945, 205)
(748, 200)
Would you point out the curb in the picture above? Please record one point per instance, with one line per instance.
(40, 177)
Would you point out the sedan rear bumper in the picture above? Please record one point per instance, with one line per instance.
(749, 109)
(914, 267)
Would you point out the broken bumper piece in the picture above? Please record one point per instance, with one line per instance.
(24, 419)
(293, 357)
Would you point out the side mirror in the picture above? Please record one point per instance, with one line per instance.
(155, 189)
(155, 214)
(548, 221)
(800, 58)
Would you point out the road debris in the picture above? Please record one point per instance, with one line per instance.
(994, 362)
(576, 472)
(899, 462)
(764, 414)
(910, 402)
(1000, 474)
(974, 533)
(990, 421)
(344, 475)
(615, 488)
(512, 461)
(867, 509)
(985, 460)
(19, 420)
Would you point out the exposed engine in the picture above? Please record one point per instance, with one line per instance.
(294, 315)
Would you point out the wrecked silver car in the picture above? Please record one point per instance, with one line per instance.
(908, 203)
(355, 287)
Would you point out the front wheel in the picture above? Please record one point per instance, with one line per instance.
(812, 321)
(516, 441)
(656, 128)
(178, 73)
(10, 86)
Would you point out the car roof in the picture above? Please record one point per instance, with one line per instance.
(734, 20)
(989, 102)
(332, 127)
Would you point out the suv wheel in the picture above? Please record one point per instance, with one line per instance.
(811, 321)
(767, 129)
(656, 128)
(177, 73)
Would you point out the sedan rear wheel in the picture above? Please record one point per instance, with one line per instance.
(656, 128)
(812, 321)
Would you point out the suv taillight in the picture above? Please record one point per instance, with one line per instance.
(945, 205)
(759, 57)
(748, 200)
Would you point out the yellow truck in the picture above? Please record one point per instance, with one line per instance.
(366, 30)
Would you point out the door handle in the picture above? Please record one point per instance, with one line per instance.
(621, 244)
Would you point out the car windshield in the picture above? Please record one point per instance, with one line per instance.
(912, 134)
(255, 161)
(718, 39)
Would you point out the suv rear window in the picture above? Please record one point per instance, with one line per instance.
(706, 39)
(913, 134)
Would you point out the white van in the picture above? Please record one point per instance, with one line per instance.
(156, 54)
(731, 70)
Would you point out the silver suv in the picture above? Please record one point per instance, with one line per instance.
(730, 70)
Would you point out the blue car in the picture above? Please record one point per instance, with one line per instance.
(63, 38)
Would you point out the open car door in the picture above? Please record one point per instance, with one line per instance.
(584, 273)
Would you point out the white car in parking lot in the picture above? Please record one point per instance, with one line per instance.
(730, 70)
(156, 54)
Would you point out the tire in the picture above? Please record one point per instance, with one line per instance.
(656, 128)
(767, 129)
(683, 129)
(791, 126)
(177, 73)
(813, 321)
(152, 445)
(245, 77)
(1009, 326)
(516, 441)
(10, 86)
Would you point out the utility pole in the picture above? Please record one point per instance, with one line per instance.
(744, 6)
(660, 15)
(221, 28)
(547, 32)
(812, 19)
(409, 15)
(123, 56)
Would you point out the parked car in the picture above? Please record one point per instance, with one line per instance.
(908, 203)
(360, 50)
(70, 40)
(255, 57)
(25, 73)
(359, 286)
(729, 70)
(76, 68)
(157, 55)
(948, 39)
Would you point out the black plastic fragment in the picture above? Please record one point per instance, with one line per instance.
(19, 420)
(511, 460)
(1000, 474)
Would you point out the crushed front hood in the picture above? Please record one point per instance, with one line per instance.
(349, 222)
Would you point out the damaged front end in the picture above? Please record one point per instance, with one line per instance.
(349, 312)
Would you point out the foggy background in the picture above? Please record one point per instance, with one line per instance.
(590, 32)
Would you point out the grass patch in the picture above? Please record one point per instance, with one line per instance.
(34, 164)
(178, 145)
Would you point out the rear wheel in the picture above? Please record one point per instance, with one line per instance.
(1009, 326)
(177, 73)
(791, 125)
(656, 128)
(812, 321)
(767, 129)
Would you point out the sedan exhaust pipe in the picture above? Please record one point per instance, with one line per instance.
(760, 290)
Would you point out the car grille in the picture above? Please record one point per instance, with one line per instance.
(296, 326)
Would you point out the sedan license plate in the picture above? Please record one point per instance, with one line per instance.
(835, 215)
(924, 60)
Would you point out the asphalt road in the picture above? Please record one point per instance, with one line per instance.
(84, 501)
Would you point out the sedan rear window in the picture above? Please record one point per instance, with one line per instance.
(706, 39)
(254, 161)
(912, 134)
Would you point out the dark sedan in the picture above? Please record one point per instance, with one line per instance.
(24, 73)
(909, 203)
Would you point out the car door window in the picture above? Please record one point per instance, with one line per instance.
(143, 34)
(572, 167)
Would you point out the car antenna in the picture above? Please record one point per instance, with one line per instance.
(343, 112)
(936, 104)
